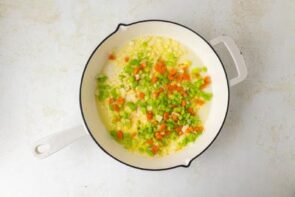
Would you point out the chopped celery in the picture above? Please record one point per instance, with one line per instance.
(101, 78)
(171, 60)
(114, 93)
(131, 105)
(134, 62)
(205, 95)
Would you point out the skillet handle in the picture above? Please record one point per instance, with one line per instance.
(236, 56)
(53, 143)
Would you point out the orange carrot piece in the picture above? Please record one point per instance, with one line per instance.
(174, 117)
(120, 135)
(149, 115)
(198, 128)
(142, 65)
(154, 79)
(141, 95)
(162, 127)
(166, 116)
(126, 59)
(200, 102)
(191, 111)
(116, 108)
(150, 142)
(155, 149)
(158, 135)
(160, 67)
(136, 70)
(120, 101)
(207, 82)
(112, 57)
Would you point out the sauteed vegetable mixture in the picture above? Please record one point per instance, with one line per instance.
(152, 102)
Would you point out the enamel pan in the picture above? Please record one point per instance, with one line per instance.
(91, 120)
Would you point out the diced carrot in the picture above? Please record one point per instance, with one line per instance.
(174, 117)
(189, 129)
(142, 65)
(179, 78)
(154, 79)
(183, 93)
(116, 108)
(141, 95)
(126, 59)
(173, 71)
(191, 111)
(120, 101)
(172, 74)
(171, 77)
(120, 135)
(185, 77)
(149, 115)
(150, 142)
(198, 128)
(162, 127)
(167, 132)
(155, 149)
(112, 57)
(183, 103)
(179, 130)
(160, 67)
(111, 101)
(200, 102)
(171, 88)
(158, 135)
(136, 70)
(179, 88)
(166, 116)
(207, 81)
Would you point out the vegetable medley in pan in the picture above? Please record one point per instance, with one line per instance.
(153, 102)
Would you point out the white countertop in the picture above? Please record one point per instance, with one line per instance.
(44, 46)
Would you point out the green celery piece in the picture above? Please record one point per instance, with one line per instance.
(204, 69)
(125, 115)
(114, 134)
(103, 94)
(206, 95)
(134, 62)
(197, 84)
(171, 60)
(114, 93)
(127, 141)
(128, 69)
(149, 152)
(101, 78)
(170, 124)
(131, 105)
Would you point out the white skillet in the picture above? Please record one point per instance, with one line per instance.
(91, 120)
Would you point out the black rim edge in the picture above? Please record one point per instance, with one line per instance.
(80, 95)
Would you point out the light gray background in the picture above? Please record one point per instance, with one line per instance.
(44, 46)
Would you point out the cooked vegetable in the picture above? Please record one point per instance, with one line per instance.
(155, 100)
